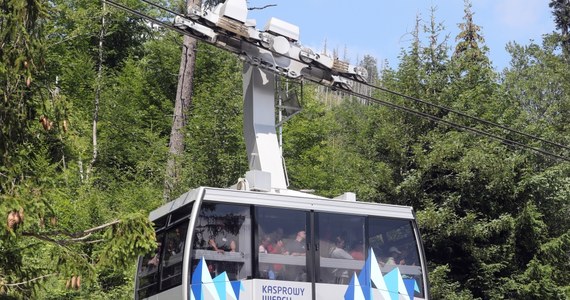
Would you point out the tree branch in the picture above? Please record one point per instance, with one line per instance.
(28, 281)
(74, 237)
(100, 227)
(94, 241)
(98, 89)
(80, 239)
(262, 7)
(44, 238)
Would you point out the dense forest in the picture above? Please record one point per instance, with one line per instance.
(88, 94)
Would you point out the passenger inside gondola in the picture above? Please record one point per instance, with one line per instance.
(172, 262)
(265, 246)
(199, 242)
(296, 247)
(357, 251)
(337, 251)
(340, 275)
(233, 246)
(279, 248)
(153, 262)
(171, 249)
(277, 234)
(394, 258)
(213, 246)
(180, 239)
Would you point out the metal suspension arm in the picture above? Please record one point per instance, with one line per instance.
(276, 48)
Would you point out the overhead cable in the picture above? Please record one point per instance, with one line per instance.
(455, 125)
(480, 120)
(145, 16)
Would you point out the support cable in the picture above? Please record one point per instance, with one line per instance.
(465, 115)
(458, 126)
(147, 17)
(163, 8)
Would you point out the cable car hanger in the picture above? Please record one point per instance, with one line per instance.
(276, 48)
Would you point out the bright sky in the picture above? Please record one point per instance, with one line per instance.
(380, 27)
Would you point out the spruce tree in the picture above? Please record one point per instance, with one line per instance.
(561, 13)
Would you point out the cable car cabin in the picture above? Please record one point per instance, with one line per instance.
(230, 244)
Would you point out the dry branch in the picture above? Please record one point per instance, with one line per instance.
(74, 237)
(262, 7)
(28, 281)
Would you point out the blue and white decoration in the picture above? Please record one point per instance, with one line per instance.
(370, 283)
(218, 288)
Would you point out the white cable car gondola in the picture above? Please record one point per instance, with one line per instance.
(232, 244)
(260, 240)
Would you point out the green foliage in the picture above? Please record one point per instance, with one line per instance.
(325, 155)
(45, 139)
(530, 233)
(133, 128)
(538, 84)
(546, 275)
(443, 288)
(20, 60)
(126, 240)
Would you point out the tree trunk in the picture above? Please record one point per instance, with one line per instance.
(183, 101)
(102, 33)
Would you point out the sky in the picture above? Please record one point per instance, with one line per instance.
(381, 28)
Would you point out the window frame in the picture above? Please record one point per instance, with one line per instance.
(240, 256)
(162, 227)
(418, 247)
(321, 239)
(282, 259)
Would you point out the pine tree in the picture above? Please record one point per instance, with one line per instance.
(473, 81)
(561, 12)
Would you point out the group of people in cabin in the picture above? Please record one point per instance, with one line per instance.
(168, 256)
(221, 245)
(339, 250)
(275, 244)
(336, 248)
